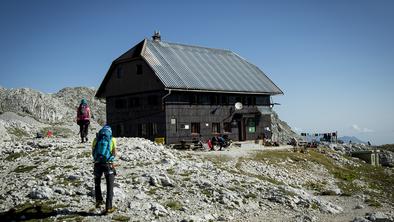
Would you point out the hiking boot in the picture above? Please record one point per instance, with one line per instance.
(99, 203)
(110, 210)
(86, 139)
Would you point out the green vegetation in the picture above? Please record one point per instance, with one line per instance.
(24, 169)
(58, 131)
(171, 171)
(389, 147)
(174, 204)
(375, 177)
(19, 133)
(152, 191)
(207, 192)
(185, 174)
(120, 218)
(36, 211)
(186, 179)
(317, 186)
(13, 156)
(373, 202)
(63, 180)
(85, 154)
(375, 181)
(314, 206)
(250, 195)
(219, 161)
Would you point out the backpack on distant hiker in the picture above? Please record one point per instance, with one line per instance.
(83, 112)
(102, 150)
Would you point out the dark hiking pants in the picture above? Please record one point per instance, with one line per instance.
(83, 128)
(109, 173)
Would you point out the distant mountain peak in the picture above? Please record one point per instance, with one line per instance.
(347, 139)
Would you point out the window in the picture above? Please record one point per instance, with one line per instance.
(151, 129)
(251, 125)
(142, 130)
(224, 100)
(196, 128)
(227, 127)
(120, 103)
(263, 100)
(147, 129)
(238, 99)
(232, 100)
(139, 69)
(213, 99)
(204, 100)
(244, 100)
(153, 100)
(215, 127)
(134, 102)
(119, 72)
(193, 99)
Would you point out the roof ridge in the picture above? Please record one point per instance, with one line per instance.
(194, 46)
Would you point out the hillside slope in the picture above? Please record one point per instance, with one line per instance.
(52, 179)
(25, 112)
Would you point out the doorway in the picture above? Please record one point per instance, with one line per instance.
(241, 129)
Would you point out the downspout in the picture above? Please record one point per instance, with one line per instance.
(165, 96)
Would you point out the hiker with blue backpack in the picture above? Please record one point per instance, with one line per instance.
(104, 152)
(83, 120)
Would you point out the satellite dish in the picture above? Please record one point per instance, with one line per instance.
(238, 105)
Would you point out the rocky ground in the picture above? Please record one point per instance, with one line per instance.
(52, 179)
(25, 112)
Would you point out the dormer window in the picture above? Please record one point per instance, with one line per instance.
(139, 69)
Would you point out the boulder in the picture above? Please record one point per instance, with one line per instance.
(41, 193)
(379, 217)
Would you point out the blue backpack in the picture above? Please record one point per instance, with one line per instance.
(102, 150)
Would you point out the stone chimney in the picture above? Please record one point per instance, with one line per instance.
(156, 36)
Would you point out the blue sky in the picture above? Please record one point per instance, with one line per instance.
(334, 60)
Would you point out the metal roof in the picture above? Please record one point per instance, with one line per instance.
(188, 67)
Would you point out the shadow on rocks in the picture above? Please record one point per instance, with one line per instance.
(36, 212)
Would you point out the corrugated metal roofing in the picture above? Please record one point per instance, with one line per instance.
(188, 67)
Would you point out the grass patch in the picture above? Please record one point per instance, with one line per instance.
(85, 154)
(120, 218)
(186, 179)
(185, 174)
(17, 132)
(63, 180)
(314, 206)
(375, 177)
(36, 211)
(171, 171)
(58, 131)
(207, 192)
(319, 187)
(24, 169)
(219, 160)
(13, 156)
(250, 195)
(388, 147)
(373, 202)
(174, 205)
(152, 191)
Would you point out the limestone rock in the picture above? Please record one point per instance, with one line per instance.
(41, 193)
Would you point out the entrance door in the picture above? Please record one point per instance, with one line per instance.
(241, 130)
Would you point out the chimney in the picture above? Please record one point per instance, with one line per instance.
(156, 36)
